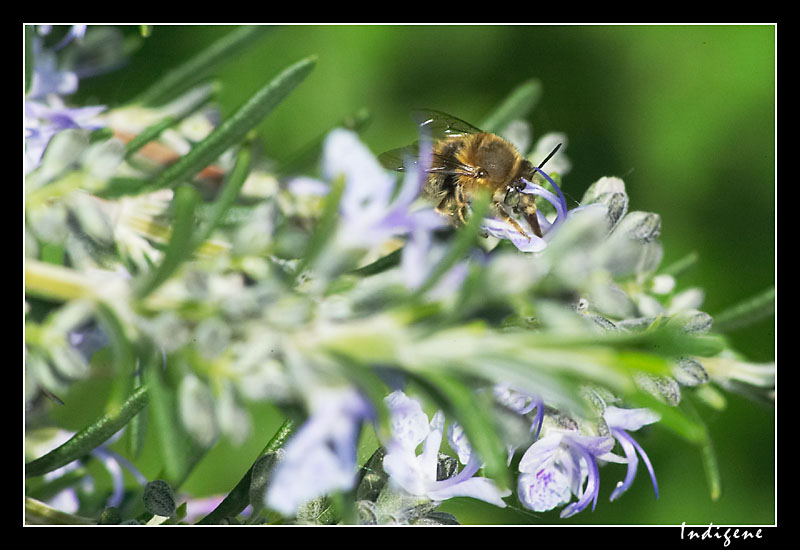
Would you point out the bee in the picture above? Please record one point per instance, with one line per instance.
(466, 160)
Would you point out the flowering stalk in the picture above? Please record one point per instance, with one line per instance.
(340, 301)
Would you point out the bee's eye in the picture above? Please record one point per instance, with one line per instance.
(481, 173)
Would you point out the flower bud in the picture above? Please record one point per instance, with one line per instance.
(640, 226)
(110, 516)
(63, 150)
(610, 192)
(693, 321)
(689, 372)
(604, 186)
(662, 387)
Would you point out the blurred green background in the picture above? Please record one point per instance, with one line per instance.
(684, 114)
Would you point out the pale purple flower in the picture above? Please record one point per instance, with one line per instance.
(114, 463)
(504, 230)
(556, 466)
(44, 119)
(371, 210)
(620, 422)
(522, 403)
(321, 457)
(417, 474)
(48, 78)
(76, 32)
(88, 339)
(370, 213)
(45, 112)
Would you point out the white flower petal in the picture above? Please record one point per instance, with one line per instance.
(481, 488)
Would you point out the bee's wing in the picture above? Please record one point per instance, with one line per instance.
(396, 159)
(441, 125)
(400, 159)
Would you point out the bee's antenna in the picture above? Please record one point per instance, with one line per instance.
(553, 152)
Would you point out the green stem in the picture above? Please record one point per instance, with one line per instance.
(681, 266)
(38, 513)
(55, 282)
(746, 313)
(326, 227)
(233, 130)
(58, 189)
(91, 437)
(178, 249)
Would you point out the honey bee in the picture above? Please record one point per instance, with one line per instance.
(466, 160)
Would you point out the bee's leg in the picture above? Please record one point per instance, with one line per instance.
(529, 211)
(444, 207)
(461, 203)
(501, 211)
(448, 208)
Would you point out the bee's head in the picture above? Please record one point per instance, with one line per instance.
(526, 172)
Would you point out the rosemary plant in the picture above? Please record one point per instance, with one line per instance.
(412, 362)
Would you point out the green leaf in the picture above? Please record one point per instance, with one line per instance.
(233, 130)
(238, 499)
(147, 135)
(185, 106)
(517, 105)
(120, 186)
(326, 226)
(136, 432)
(673, 418)
(200, 66)
(124, 358)
(709, 455)
(179, 246)
(90, 437)
(158, 498)
(381, 264)
(225, 198)
(39, 513)
(175, 446)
